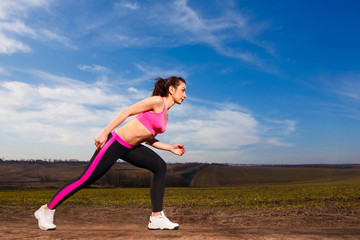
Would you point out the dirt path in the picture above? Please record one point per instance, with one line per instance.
(107, 223)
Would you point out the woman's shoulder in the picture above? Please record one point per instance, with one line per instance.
(156, 100)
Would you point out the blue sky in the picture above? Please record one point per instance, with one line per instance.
(269, 82)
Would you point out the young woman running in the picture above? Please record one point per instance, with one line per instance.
(125, 143)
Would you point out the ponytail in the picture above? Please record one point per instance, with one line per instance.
(162, 85)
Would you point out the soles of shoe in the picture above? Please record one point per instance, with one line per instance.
(175, 228)
(42, 228)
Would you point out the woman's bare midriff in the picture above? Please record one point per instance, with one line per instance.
(134, 132)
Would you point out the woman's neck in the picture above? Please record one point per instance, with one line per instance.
(169, 102)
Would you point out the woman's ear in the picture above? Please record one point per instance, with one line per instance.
(171, 90)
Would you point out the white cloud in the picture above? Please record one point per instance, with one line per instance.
(214, 129)
(59, 111)
(278, 142)
(15, 8)
(145, 72)
(283, 127)
(206, 156)
(4, 72)
(218, 32)
(176, 23)
(94, 68)
(138, 94)
(127, 4)
(133, 90)
(131, 41)
(9, 45)
(14, 30)
(150, 72)
(68, 112)
(17, 27)
(346, 87)
(47, 35)
(10, 11)
(344, 84)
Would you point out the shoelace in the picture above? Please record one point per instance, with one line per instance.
(166, 219)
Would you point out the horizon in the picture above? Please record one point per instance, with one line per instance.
(267, 83)
(315, 165)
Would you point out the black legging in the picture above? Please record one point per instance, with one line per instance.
(105, 158)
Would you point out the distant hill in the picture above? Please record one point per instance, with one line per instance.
(43, 174)
(231, 176)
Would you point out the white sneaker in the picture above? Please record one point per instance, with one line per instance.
(45, 218)
(161, 222)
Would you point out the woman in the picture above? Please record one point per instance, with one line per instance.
(125, 143)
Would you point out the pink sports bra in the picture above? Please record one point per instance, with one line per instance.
(154, 122)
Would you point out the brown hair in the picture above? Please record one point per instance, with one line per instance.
(162, 85)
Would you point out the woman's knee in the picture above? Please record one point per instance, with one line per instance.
(161, 167)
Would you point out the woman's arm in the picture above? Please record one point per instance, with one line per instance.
(142, 106)
(177, 149)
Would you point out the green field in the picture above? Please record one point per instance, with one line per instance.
(245, 197)
(212, 187)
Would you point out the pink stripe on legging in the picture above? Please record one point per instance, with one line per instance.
(85, 177)
(122, 142)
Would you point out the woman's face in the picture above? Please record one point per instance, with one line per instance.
(179, 94)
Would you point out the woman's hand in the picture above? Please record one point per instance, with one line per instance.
(178, 149)
(100, 140)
